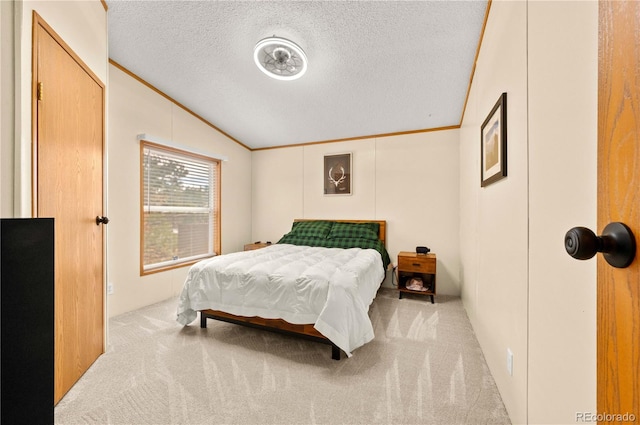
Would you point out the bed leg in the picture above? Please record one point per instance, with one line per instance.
(335, 352)
(203, 321)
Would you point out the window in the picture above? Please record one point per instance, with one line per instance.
(180, 207)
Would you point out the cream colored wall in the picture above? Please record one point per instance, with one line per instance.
(277, 192)
(135, 109)
(520, 288)
(411, 181)
(7, 101)
(417, 189)
(493, 220)
(563, 49)
(83, 26)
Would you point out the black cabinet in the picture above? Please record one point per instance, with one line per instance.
(26, 321)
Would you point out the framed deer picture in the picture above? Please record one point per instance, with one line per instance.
(337, 174)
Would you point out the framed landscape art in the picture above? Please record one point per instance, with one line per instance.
(493, 144)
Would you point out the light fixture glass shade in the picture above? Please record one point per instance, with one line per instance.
(280, 58)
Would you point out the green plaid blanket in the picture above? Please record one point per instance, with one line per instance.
(340, 243)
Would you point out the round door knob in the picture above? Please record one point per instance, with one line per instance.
(101, 220)
(617, 244)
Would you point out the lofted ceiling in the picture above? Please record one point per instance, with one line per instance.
(375, 67)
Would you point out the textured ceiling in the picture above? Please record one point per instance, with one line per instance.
(375, 67)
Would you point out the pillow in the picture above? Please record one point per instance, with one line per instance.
(354, 230)
(314, 229)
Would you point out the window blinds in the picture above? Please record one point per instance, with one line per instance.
(178, 210)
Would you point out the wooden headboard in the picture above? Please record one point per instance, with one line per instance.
(382, 232)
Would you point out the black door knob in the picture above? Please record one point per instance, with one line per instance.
(617, 244)
(103, 220)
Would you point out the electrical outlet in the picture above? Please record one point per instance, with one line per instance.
(109, 288)
(509, 362)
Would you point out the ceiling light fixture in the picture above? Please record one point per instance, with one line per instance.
(280, 58)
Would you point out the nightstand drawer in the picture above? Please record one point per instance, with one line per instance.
(417, 264)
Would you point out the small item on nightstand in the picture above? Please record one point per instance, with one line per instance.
(268, 242)
(422, 250)
(416, 284)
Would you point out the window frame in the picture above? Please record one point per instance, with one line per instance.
(215, 238)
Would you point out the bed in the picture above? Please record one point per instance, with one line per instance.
(316, 282)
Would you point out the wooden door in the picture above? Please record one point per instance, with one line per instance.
(618, 340)
(68, 151)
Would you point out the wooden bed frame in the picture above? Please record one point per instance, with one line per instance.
(306, 331)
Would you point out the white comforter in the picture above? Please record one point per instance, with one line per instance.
(331, 287)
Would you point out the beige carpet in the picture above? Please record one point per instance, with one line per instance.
(424, 367)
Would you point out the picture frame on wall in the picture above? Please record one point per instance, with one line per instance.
(493, 144)
(337, 174)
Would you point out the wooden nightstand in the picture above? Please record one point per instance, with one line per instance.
(257, 245)
(411, 265)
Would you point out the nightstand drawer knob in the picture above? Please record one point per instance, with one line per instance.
(416, 264)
